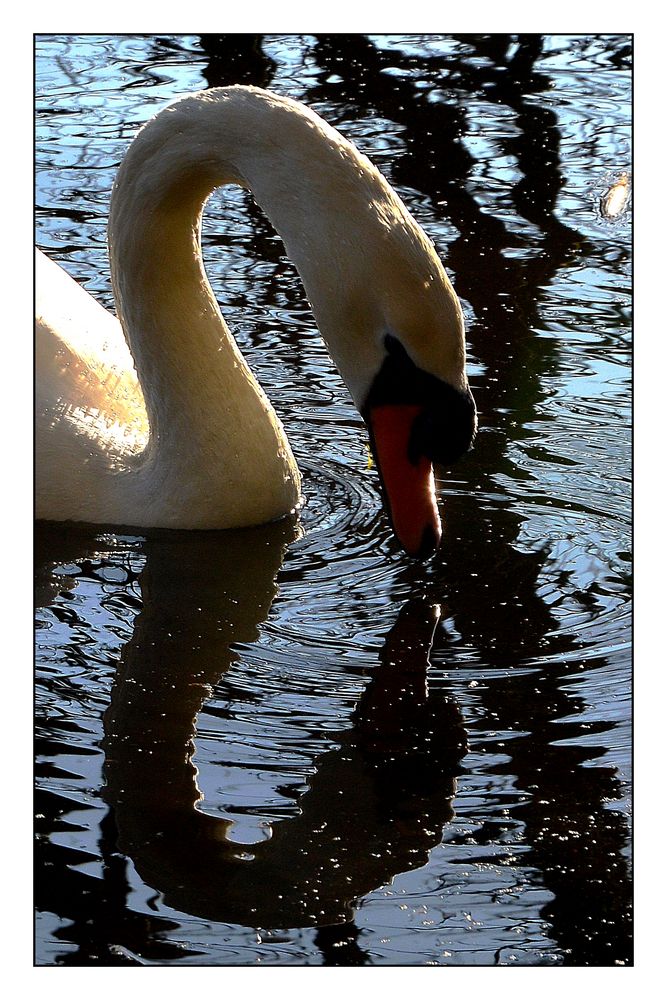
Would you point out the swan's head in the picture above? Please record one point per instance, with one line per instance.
(415, 419)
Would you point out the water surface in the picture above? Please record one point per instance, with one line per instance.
(292, 745)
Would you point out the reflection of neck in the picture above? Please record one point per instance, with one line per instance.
(315, 864)
(201, 592)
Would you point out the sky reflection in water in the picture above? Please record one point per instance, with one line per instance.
(399, 764)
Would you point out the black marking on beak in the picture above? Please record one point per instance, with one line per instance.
(446, 426)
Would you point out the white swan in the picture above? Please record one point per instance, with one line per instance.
(190, 440)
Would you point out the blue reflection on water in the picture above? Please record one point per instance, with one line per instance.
(498, 145)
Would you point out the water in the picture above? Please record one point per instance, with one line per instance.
(291, 745)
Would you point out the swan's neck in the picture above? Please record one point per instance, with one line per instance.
(216, 446)
(187, 362)
(367, 267)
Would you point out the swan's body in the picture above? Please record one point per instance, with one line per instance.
(190, 440)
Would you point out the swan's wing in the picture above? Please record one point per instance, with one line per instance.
(82, 362)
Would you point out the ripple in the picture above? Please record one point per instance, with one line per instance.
(343, 506)
(274, 637)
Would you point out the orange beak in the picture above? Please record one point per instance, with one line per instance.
(409, 488)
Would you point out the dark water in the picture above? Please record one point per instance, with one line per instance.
(291, 745)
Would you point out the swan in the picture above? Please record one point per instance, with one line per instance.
(154, 420)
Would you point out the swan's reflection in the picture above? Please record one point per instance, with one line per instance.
(570, 812)
(376, 804)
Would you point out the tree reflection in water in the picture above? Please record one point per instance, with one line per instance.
(577, 847)
(379, 799)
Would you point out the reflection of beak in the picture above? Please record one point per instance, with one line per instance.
(408, 483)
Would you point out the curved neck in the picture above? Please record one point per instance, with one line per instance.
(367, 268)
(183, 352)
(216, 447)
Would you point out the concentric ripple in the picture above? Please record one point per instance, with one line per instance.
(293, 744)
